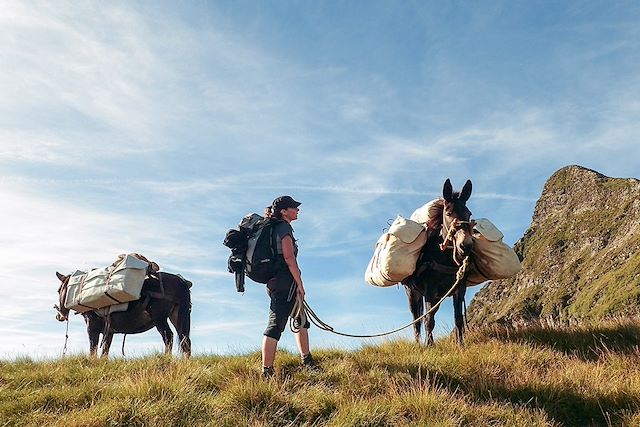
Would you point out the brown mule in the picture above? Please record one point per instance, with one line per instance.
(439, 261)
(159, 302)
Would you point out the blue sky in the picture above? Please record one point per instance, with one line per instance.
(153, 127)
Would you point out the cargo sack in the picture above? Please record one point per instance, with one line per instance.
(493, 259)
(430, 214)
(102, 287)
(152, 269)
(396, 253)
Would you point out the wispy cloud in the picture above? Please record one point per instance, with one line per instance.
(125, 127)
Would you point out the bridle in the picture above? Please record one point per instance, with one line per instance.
(448, 233)
(62, 292)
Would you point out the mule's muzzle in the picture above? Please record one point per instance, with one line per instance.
(60, 317)
(464, 249)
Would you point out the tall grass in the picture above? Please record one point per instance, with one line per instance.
(530, 377)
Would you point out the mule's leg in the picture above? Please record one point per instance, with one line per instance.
(167, 336)
(94, 338)
(417, 308)
(181, 320)
(430, 320)
(458, 300)
(106, 342)
(94, 327)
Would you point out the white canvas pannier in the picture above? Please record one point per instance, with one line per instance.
(429, 214)
(394, 258)
(493, 259)
(102, 287)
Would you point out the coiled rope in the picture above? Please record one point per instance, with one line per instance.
(302, 311)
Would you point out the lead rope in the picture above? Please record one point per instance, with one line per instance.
(66, 338)
(301, 310)
(448, 238)
(464, 314)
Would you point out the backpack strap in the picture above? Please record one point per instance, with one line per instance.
(274, 243)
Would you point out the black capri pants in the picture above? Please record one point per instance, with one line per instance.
(282, 290)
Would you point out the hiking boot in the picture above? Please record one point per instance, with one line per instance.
(309, 363)
(268, 372)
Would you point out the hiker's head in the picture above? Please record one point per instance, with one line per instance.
(284, 207)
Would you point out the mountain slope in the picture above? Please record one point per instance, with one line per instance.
(581, 255)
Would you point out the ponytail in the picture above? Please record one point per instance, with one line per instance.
(268, 212)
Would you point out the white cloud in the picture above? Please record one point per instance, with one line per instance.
(133, 128)
(61, 60)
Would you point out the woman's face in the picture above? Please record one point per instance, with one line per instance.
(290, 214)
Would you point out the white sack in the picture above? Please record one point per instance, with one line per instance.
(429, 214)
(394, 258)
(493, 259)
(103, 287)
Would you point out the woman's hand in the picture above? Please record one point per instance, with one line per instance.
(292, 263)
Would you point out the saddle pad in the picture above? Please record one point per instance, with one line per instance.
(105, 311)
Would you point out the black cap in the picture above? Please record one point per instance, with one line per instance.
(284, 202)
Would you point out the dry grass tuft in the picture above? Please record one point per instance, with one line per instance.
(587, 376)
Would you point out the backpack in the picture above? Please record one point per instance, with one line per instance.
(253, 250)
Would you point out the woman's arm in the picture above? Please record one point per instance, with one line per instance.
(292, 263)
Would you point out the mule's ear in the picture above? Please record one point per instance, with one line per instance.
(60, 276)
(466, 191)
(447, 190)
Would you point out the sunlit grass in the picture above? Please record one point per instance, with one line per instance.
(529, 377)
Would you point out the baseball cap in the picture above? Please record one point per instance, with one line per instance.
(284, 202)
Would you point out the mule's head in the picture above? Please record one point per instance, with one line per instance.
(63, 312)
(456, 220)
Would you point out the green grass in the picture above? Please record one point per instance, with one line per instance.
(529, 377)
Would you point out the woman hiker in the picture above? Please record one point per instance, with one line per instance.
(282, 289)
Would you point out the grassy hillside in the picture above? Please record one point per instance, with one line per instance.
(530, 377)
(581, 255)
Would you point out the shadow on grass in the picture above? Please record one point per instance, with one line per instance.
(588, 343)
(563, 406)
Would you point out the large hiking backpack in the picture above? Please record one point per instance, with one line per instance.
(253, 250)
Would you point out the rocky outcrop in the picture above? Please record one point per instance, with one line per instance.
(580, 256)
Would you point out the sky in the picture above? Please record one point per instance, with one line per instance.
(153, 127)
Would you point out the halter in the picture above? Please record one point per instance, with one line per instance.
(63, 287)
(456, 225)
